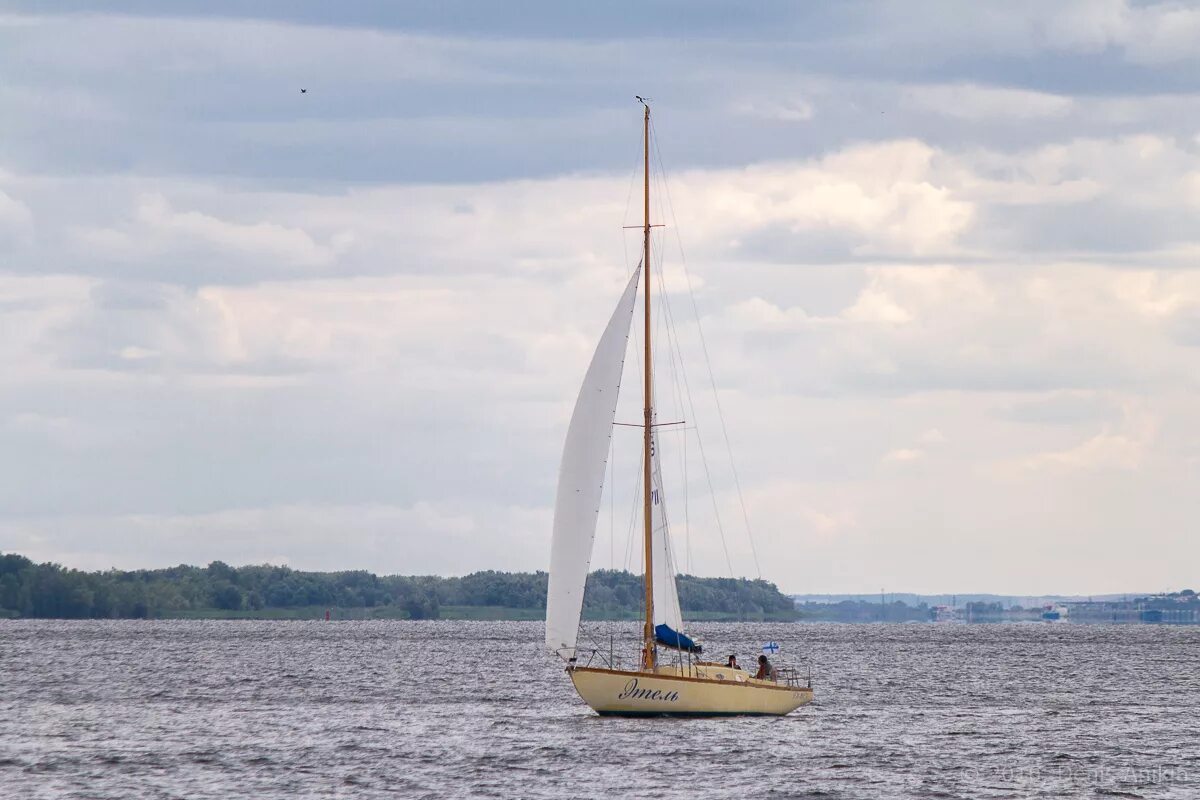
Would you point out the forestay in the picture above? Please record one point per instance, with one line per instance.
(581, 478)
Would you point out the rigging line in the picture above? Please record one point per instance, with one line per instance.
(647, 274)
(612, 503)
(707, 472)
(663, 327)
(637, 357)
(673, 356)
(687, 520)
(700, 442)
(612, 511)
(676, 355)
(707, 361)
(674, 349)
(633, 509)
(676, 360)
(629, 201)
(637, 360)
(633, 173)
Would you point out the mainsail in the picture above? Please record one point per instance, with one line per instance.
(581, 478)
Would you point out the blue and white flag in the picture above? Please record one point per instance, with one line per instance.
(771, 648)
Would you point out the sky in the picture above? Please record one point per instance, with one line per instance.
(945, 259)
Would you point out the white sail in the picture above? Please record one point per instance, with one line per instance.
(666, 595)
(581, 478)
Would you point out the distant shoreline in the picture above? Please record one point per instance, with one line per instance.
(385, 613)
(220, 591)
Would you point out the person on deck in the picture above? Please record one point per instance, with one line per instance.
(732, 663)
(766, 672)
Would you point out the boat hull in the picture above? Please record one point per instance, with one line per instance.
(648, 694)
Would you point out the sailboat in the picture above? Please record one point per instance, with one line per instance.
(669, 677)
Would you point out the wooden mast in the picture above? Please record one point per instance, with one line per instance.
(648, 387)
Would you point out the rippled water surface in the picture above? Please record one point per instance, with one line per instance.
(466, 709)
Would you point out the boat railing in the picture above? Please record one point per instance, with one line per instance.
(601, 652)
(608, 660)
(605, 654)
(792, 676)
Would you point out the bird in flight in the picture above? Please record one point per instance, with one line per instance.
(304, 91)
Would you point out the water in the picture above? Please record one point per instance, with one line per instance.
(475, 709)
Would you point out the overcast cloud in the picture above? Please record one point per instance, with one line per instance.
(946, 257)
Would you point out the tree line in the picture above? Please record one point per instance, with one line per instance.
(50, 590)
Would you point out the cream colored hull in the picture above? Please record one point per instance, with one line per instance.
(635, 694)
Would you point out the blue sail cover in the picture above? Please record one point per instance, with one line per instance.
(668, 637)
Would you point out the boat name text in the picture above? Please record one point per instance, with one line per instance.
(632, 691)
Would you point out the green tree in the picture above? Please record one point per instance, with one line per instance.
(226, 596)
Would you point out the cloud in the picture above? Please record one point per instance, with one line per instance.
(932, 437)
(910, 329)
(1059, 408)
(887, 199)
(883, 198)
(242, 323)
(904, 454)
(156, 233)
(974, 102)
(1122, 449)
(192, 94)
(927, 441)
(16, 221)
(385, 539)
(1148, 34)
(795, 110)
(61, 431)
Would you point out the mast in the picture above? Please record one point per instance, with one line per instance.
(647, 388)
